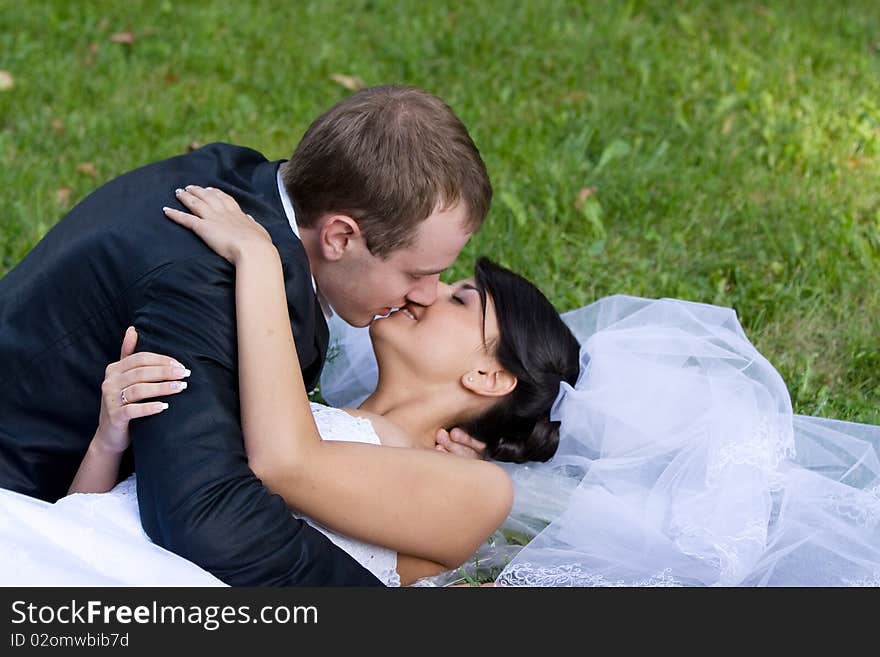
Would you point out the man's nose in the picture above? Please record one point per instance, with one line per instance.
(425, 292)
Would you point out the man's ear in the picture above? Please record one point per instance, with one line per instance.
(337, 234)
(494, 381)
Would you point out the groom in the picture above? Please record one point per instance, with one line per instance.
(379, 197)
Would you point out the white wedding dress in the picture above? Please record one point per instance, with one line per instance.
(680, 463)
(97, 539)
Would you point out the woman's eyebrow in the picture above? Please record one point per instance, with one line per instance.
(482, 295)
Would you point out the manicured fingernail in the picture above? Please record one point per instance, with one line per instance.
(182, 371)
(164, 406)
(165, 208)
(179, 385)
(178, 191)
(187, 187)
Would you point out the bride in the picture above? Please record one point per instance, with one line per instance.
(680, 463)
(488, 356)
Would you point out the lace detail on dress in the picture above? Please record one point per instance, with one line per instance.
(127, 490)
(525, 574)
(380, 561)
(121, 503)
(335, 424)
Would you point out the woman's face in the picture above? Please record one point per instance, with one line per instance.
(441, 342)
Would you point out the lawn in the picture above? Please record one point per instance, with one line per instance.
(724, 152)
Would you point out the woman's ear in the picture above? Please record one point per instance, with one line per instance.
(337, 233)
(491, 382)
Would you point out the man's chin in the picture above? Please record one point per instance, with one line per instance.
(376, 318)
(361, 321)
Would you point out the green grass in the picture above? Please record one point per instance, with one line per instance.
(734, 147)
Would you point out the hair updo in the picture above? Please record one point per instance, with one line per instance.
(534, 345)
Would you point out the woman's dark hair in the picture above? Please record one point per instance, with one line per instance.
(534, 345)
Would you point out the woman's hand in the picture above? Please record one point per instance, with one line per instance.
(133, 378)
(219, 221)
(460, 443)
(127, 383)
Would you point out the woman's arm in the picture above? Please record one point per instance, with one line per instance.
(99, 468)
(411, 568)
(418, 502)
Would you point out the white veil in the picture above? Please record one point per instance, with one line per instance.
(680, 463)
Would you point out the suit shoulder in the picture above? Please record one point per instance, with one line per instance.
(236, 149)
(217, 156)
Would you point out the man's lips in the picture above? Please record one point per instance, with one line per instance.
(404, 309)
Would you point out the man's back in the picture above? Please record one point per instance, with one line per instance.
(65, 307)
(115, 261)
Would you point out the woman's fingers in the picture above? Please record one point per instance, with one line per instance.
(460, 443)
(142, 368)
(228, 202)
(128, 342)
(222, 226)
(132, 411)
(150, 374)
(196, 200)
(141, 359)
(214, 197)
(146, 359)
(210, 196)
(183, 218)
(141, 391)
(464, 439)
(135, 378)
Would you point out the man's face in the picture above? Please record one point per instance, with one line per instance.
(362, 285)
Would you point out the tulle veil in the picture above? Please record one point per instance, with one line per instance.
(680, 463)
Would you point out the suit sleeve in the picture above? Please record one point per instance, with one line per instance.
(197, 495)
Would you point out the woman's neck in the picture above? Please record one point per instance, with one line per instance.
(418, 413)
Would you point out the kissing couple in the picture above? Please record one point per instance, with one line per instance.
(173, 322)
(228, 291)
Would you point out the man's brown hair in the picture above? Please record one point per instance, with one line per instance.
(388, 157)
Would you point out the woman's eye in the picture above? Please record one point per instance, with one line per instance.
(458, 299)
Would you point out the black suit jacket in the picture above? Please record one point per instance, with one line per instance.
(115, 260)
